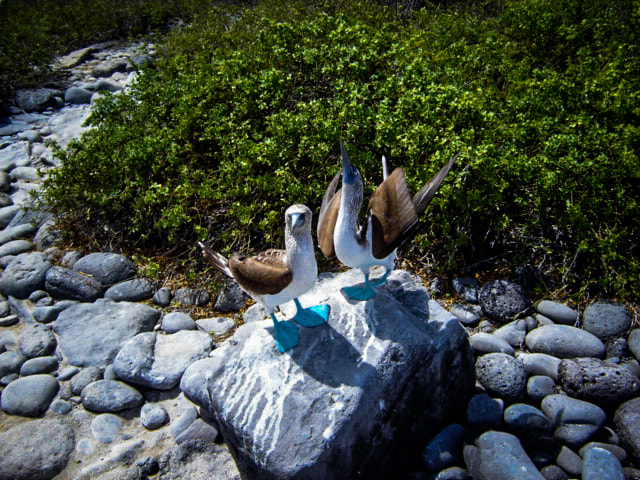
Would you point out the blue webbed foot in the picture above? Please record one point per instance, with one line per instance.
(287, 334)
(381, 280)
(312, 316)
(359, 293)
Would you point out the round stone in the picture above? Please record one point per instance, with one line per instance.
(557, 312)
(634, 342)
(561, 408)
(540, 364)
(175, 321)
(563, 341)
(105, 427)
(539, 386)
(231, 298)
(83, 378)
(484, 411)
(599, 463)
(153, 416)
(627, 419)
(607, 319)
(502, 375)
(134, 290)
(526, 419)
(513, 333)
(162, 297)
(595, 381)
(216, 325)
(110, 396)
(29, 396)
(37, 341)
(502, 300)
(10, 362)
(467, 315)
(38, 365)
(36, 450)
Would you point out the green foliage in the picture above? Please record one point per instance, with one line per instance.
(245, 111)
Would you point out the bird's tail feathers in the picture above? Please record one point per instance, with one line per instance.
(424, 196)
(215, 259)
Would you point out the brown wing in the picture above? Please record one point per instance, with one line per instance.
(262, 274)
(328, 217)
(392, 214)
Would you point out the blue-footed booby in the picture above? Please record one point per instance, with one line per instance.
(391, 217)
(275, 276)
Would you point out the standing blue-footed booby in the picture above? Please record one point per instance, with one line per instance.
(274, 277)
(392, 215)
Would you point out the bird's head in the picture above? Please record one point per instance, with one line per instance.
(298, 218)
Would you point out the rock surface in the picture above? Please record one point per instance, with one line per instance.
(356, 383)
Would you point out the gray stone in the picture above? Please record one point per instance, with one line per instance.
(513, 333)
(36, 341)
(606, 319)
(35, 450)
(162, 297)
(64, 283)
(190, 296)
(29, 396)
(374, 368)
(60, 406)
(502, 375)
(488, 343)
(599, 464)
(24, 274)
(557, 312)
(575, 435)
(231, 298)
(110, 396)
(186, 417)
(69, 259)
(103, 85)
(9, 320)
(255, 313)
(158, 361)
(467, 288)
(595, 381)
(467, 315)
(22, 310)
(195, 460)
(10, 362)
(48, 314)
(47, 235)
(526, 419)
(627, 419)
(134, 290)
(499, 456)
(564, 409)
(5, 308)
(452, 473)
(563, 341)
(84, 377)
(7, 214)
(77, 95)
(153, 416)
(15, 247)
(92, 334)
(106, 427)
(198, 430)
(617, 348)
(554, 472)
(634, 342)
(39, 365)
(539, 386)
(75, 58)
(67, 372)
(8, 339)
(540, 364)
(107, 268)
(24, 173)
(569, 461)
(445, 449)
(616, 450)
(484, 411)
(217, 325)
(109, 68)
(12, 155)
(37, 100)
(175, 321)
(502, 300)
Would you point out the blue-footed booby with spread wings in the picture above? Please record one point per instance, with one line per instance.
(275, 276)
(391, 217)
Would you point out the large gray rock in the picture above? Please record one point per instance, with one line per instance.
(93, 333)
(607, 319)
(627, 419)
(357, 397)
(35, 450)
(24, 274)
(64, 283)
(37, 100)
(563, 341)
(158, 361)
(108, 268)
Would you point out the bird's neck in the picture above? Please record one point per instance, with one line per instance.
(300, 252)
(347, 220)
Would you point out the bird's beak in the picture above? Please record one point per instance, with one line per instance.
(348, 170)
(298, 220)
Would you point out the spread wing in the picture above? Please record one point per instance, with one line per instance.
(262, 274)
(426, 193)
(392, 214)
(328, 217)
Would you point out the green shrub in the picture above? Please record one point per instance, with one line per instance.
(244, 114)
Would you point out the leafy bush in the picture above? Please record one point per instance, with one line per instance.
(244, 114)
